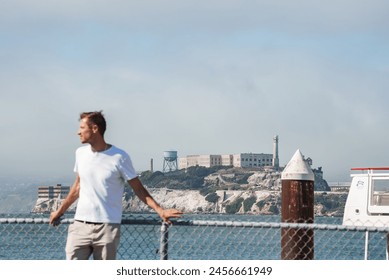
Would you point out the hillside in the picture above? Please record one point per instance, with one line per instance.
(222, 178)
(229, 190)
(220, 190)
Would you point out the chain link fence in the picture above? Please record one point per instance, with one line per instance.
(145, 238)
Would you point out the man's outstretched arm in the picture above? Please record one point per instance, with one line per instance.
(145, 197)
(69, 200)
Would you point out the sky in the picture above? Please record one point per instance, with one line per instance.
(196, 77)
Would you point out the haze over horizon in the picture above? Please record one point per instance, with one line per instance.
(214, 77)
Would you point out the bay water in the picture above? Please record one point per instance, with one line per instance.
(37, 241)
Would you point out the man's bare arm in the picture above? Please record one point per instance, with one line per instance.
(146, 198)
(69, 200)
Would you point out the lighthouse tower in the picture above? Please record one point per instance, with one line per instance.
(276, 162)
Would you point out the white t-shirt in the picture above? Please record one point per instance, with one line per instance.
(102, 179)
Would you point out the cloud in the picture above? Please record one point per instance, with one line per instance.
(301, 15)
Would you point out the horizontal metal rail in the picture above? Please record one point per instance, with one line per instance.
(213, 223)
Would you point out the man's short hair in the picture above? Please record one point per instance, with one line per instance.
(96, 118)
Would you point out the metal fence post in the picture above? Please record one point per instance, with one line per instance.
(164, 241)
(366, 245)
(387, 246)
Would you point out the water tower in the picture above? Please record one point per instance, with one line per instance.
(169, 161)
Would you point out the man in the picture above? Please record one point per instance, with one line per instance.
(101, 172)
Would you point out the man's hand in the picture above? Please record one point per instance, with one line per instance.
(55, 218)
(166, 214)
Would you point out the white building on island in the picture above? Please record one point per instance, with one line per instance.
(244, 160)
(235, 160)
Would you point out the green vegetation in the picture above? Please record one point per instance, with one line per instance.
(190, 178)
(274, 209)
(330, 203)
(260, 204)
(248, 203)
(234, 207)
(212, 197)
(242, 179)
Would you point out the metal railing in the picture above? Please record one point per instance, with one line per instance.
(146, 238)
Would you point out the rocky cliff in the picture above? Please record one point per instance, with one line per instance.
(263, 202)
(231, 191)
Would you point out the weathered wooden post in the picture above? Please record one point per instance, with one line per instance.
(297, 207)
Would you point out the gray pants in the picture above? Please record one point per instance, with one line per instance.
(85, 239)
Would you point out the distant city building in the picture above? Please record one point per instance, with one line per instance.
(339, 186)
(50, 192)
